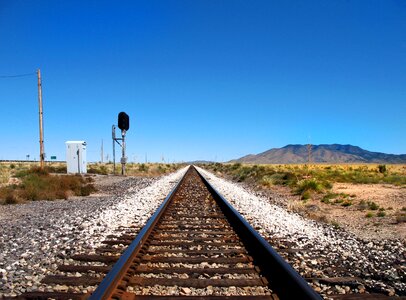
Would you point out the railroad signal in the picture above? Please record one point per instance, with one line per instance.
(123, 121)
(124, 125)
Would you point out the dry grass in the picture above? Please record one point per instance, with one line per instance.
(321, 174)
(36, 184)
(366, 199)
(24, 181)
(133, 169)
(9, 170)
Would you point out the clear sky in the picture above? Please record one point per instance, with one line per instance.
(211, 80)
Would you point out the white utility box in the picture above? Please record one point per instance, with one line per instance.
(76, 157)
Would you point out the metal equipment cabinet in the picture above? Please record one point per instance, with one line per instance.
(76, 157)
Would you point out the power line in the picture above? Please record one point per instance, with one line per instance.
(19, 75)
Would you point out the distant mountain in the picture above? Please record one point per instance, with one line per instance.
(199, 162)
(296, 154)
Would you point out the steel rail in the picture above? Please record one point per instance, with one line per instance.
(110, 282)
(283, 279)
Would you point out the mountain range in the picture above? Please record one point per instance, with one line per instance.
(335, 153)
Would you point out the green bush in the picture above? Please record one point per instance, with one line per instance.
(143, 168)
(372, 205)
(369, 215)
(309, 185)
(235, 166)
(306, 195)
(381, 214)
(331, 196)
(284, 178)
(382, 169)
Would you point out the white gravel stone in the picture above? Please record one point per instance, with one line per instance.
(333, 247)
(32, 235)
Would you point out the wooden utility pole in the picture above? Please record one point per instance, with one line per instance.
(309, 153)
(101, 154)
(41, 126)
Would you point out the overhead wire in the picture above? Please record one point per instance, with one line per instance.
(19, 75)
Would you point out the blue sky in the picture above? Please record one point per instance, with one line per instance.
(211, 80)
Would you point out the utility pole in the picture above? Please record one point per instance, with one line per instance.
(41, 126)
(101, 154)
(309, 153)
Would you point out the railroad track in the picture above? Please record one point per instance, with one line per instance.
(194, 246)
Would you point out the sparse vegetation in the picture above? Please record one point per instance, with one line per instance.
(326, 175)
(21, 181)
(363, 205)
(306, 195)
(401, 218)
(344, 193)
(372, 205)
(346, 203)
(369, 215)
(307, 180)
(132, 169)
(335, 224)
(38, 184)
(381, 214)
(382, 169)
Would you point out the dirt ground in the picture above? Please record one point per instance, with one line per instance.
(358, 217)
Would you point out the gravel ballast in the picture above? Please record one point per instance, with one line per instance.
(34, 237)
(321, 250)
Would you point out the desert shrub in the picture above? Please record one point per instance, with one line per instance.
(308, 185)
(12, 166)
(372, 205)
(328, 197)
(339, 200)
(346, 203)
(57, 169)
(401, 218)
(335, 224)
(382, 169)
(285, 178)
(86, 190)
(381, 214)
(363, 205)
(369, 215)
(235, 166)
(161, 169)
(306, 195)
(143, 168)
(37, 184)
(395, 179)
(102, 170)
(266, 180)
(7, 194)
